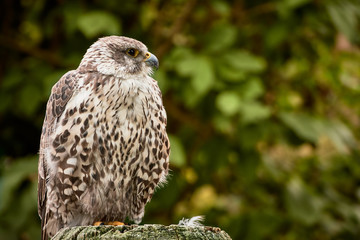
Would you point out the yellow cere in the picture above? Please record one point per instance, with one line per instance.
(147, 55)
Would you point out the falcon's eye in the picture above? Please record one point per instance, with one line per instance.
(132, 52)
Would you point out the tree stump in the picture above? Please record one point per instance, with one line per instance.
(147, 231)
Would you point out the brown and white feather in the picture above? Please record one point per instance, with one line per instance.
(104, 146)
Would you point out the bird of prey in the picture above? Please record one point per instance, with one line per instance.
(104, 146)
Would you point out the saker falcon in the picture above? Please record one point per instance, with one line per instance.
(104, 146)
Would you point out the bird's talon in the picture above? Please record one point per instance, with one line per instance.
(98, 223)
(116, 223)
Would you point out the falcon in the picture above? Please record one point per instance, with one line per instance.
(103, 147)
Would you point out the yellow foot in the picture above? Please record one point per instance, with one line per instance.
(115, 223)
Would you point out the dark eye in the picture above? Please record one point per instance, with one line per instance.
(132, 52)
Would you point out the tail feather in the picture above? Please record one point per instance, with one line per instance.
(44, 234)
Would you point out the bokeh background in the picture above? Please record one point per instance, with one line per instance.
(262, 100)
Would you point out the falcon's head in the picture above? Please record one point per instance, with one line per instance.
(119, 56)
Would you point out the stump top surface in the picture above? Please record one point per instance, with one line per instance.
(147, 231)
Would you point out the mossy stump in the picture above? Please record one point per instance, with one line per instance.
(147, 231)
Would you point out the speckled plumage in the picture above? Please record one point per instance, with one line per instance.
(104, 146)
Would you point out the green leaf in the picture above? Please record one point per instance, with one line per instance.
(341, 136)
(243, 60)
(71, 13)
(229, 73)
(295, 68)
(223, 124)
(176, 57)
(303, 205)
(252, 89)
(293, 4)
(276, 35)
(263, 223)
(346, 17)
(228, 102)
(13, 178)
(95, 23)
(190, 97)
(221, 7)
(305, 126)
(253, 112)
(221, 37)
(148, 15)
(177, 156)
(30, 98)
(12, 79)
(201, 74)
(185, 65)
(286, 7)
(311, 128)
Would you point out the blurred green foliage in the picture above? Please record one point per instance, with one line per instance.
(262, 103)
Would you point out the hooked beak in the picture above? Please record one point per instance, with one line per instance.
(151, 60)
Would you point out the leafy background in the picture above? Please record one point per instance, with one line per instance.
(262, 100)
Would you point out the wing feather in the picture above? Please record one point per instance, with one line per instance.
(61, 93)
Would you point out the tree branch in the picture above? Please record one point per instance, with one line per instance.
(47, 56)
